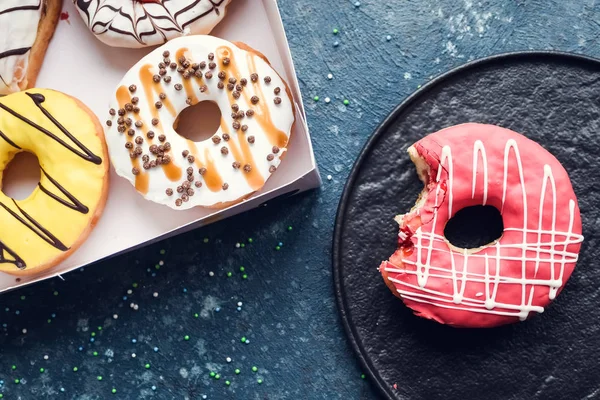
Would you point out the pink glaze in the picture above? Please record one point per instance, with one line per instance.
(502, 282)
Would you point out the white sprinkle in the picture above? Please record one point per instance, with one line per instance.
(239, 303)
(228, 359)
(132, 355)
(161, 263)
(329, 76)
(327, 99)
(204, 397)
(24, 330)
(129, 291)
(388, 38)
(211, 273)
(329, 177)
(46, 357)
(247, 341)
(135, 307)
(131, 305)
(357, 4)
(237, 245)
(115, 316)
(155, 294)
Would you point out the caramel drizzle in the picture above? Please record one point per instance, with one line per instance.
(254, 178)
(17, 261)
(213, 180)
(171, 170)
(142, 180)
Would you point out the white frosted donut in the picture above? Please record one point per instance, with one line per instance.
(257, 118)
(141, 23)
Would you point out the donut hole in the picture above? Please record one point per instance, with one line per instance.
(198, 122)
(474, 227)
(21, 176)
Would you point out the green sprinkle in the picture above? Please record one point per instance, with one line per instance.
(277, 248)
(212, 374)
(42, 370)
(316, 98)
(418, 86)
(157, 266)
(229, 274)
(135, 284)
(254, 369)
(14, 367)
(259, 381)
(237, 371)
(227, 383)
(290, 228)
(336, 31)
(362, 376)
(75, 369)
(217, 376)
(113, 391)
(99, 378)
(1, 395)
(22, 297)
(17, 381)
(346, 102)
(243, 339)
(49, 320)
(55, 293)
(162, 251)
(95, 354)
(250, 240)
(242, 245)
(99, 328)
(147, 366)
(93, 334)
(205, 240)
(244, 276)
(186, 337)
(242, 269)
(196, 315)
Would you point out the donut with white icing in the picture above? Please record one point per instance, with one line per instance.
(257, 116)
(141, 23)
(26, 27)
(505, 281)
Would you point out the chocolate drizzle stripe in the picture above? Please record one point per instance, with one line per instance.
(18, 261)
(74, 204)
(35, 227)
(23, 8)
(38, 99)
(15, 52)
(13, 144)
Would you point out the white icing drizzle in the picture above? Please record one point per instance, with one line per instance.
(135, 24)
(19, 20)
(554, 250)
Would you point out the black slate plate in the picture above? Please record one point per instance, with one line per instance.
(552, 98)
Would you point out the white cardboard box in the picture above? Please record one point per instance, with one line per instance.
(80, 65)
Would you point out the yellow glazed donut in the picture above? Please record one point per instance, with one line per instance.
(257, 117)
(42, 230)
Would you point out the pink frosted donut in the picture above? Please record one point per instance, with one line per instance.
(504, 281)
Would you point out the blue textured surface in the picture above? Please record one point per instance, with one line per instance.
(288, 313)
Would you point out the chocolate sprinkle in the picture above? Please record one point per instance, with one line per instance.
(136, 109)
(166, 159)
(249, 113)
(109, 123)
(121, 111)
(154, 121)
(162, 71)
(191, 159)
(129, 145)
(272, 168)
(178, 202)
(270, 157)
(254, 99)
(189, 170)
(277, 90)
(169, 192)
(244, 128)
(203, 65)
(226, 61)
(135, 171)
(220, 85)
(208, 75)
(129, 107)
(181, 59)
(139, 140)
(173, 65)
(216, 139)
(254, 77)
(244, 81)
(147, 165)
(275, 149)
(224, 150)
(235, 107)
(121, 121)
(179, 189)
(185, 153)
(190, 178)
(222, 75)
(156, 78)
(185, 197)
(236, 95)
(202, 171)
(158, 104)
(190, 192)
(112, 112)
(250, 139)
(226, 137)
(161, 138)
(132, 88)
(128, 121)
(198, 184)
(247, 168)
(139, 124)
(236, 125)
(225, 186)
(198, 74)
(162, 96)
(166, 53)
(167, 146)
(267, 79)
(277, 100)
(131, 132)
(153, 149)
(211, 56)
(236, 165)
(230, 86)
(167, 78)
(203, 88)
(178, 86)
(121, 129)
